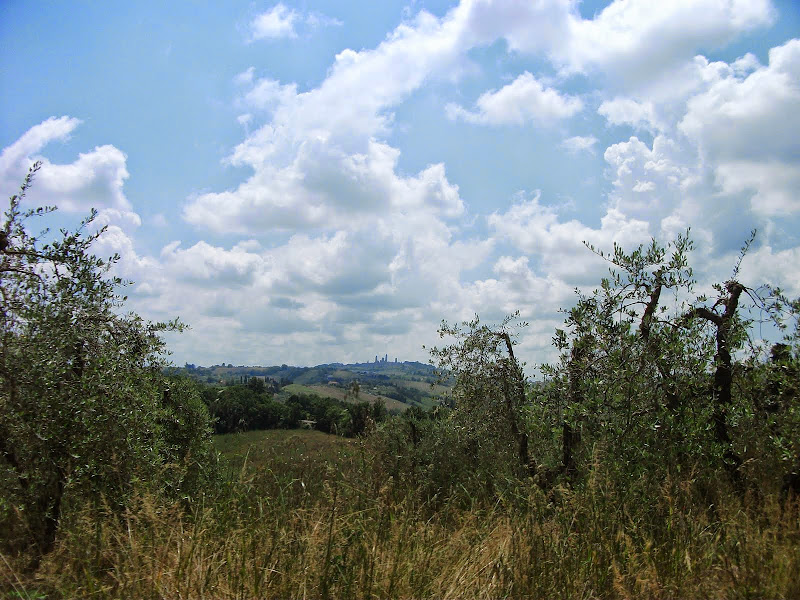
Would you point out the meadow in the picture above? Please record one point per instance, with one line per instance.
(303, 514)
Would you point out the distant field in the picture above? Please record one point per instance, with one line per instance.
(332, 391)
(399, 385)
(436, 390)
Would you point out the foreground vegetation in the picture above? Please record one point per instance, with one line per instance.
(282, 527)
(659, 459)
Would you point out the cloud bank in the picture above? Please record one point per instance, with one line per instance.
(337, 253)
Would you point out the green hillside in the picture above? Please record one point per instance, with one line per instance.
(399, 384)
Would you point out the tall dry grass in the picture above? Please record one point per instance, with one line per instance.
(264, 535)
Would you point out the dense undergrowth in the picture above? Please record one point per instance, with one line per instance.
(335, 527)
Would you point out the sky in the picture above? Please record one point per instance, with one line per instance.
(326, 181)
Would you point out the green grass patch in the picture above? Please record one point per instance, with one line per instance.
(283, 448)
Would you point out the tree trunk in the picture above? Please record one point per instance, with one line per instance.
(570, 438)
(723, 376)
(514, 393)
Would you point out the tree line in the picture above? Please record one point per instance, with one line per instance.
(237, 408)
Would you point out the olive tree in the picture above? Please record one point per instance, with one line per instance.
(489, 393)
(623, 366)
(650, 378)
(84, 408)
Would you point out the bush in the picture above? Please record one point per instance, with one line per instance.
(84, 408)
(239, 408)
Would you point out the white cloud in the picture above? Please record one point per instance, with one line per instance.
(745, 124)
(524, 100)
(380, 247)
(14, 160)
(644, 186)
(320, 161)
(724, 158)
(245, 77)
(639, 40)
(203, 262)
(330, 250)
(535, 229)
(775, 267)
(526, 26)
(94, 180)
(281, 22)
(317, 20)
(627, 111)
(580, 143)
(267, 94)
(633, 42)
(671, 188)
(772, 185)
(331, 137)
(324, 187)
(277, 22)
(370, 284)
(651, 183)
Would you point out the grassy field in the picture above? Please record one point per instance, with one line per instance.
(338, 393)
(302, 514)
(274, 447)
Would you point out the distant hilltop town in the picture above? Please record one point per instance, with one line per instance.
(384, 359)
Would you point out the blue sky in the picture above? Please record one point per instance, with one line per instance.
(319, 181)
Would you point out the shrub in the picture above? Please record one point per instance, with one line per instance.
(85, 411)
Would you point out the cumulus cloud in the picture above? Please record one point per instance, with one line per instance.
(628, 111)
(94, 180)
(536, 230)
(324, 187)
(517, 286)
(650, 182)
(268, 94)
(347, 286)
(320, 161)
(281, 22)
(724, 157)
(366, 254)
(632, 42)
(373, 245)
(14, 158)
(277, 22)
(524, 100)
(330, 137)
(203, 262)
(638, 40)
(746, 125)
(780, 268)
(245, 77)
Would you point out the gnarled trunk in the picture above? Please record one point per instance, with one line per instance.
(514, 394)
(723, 375)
